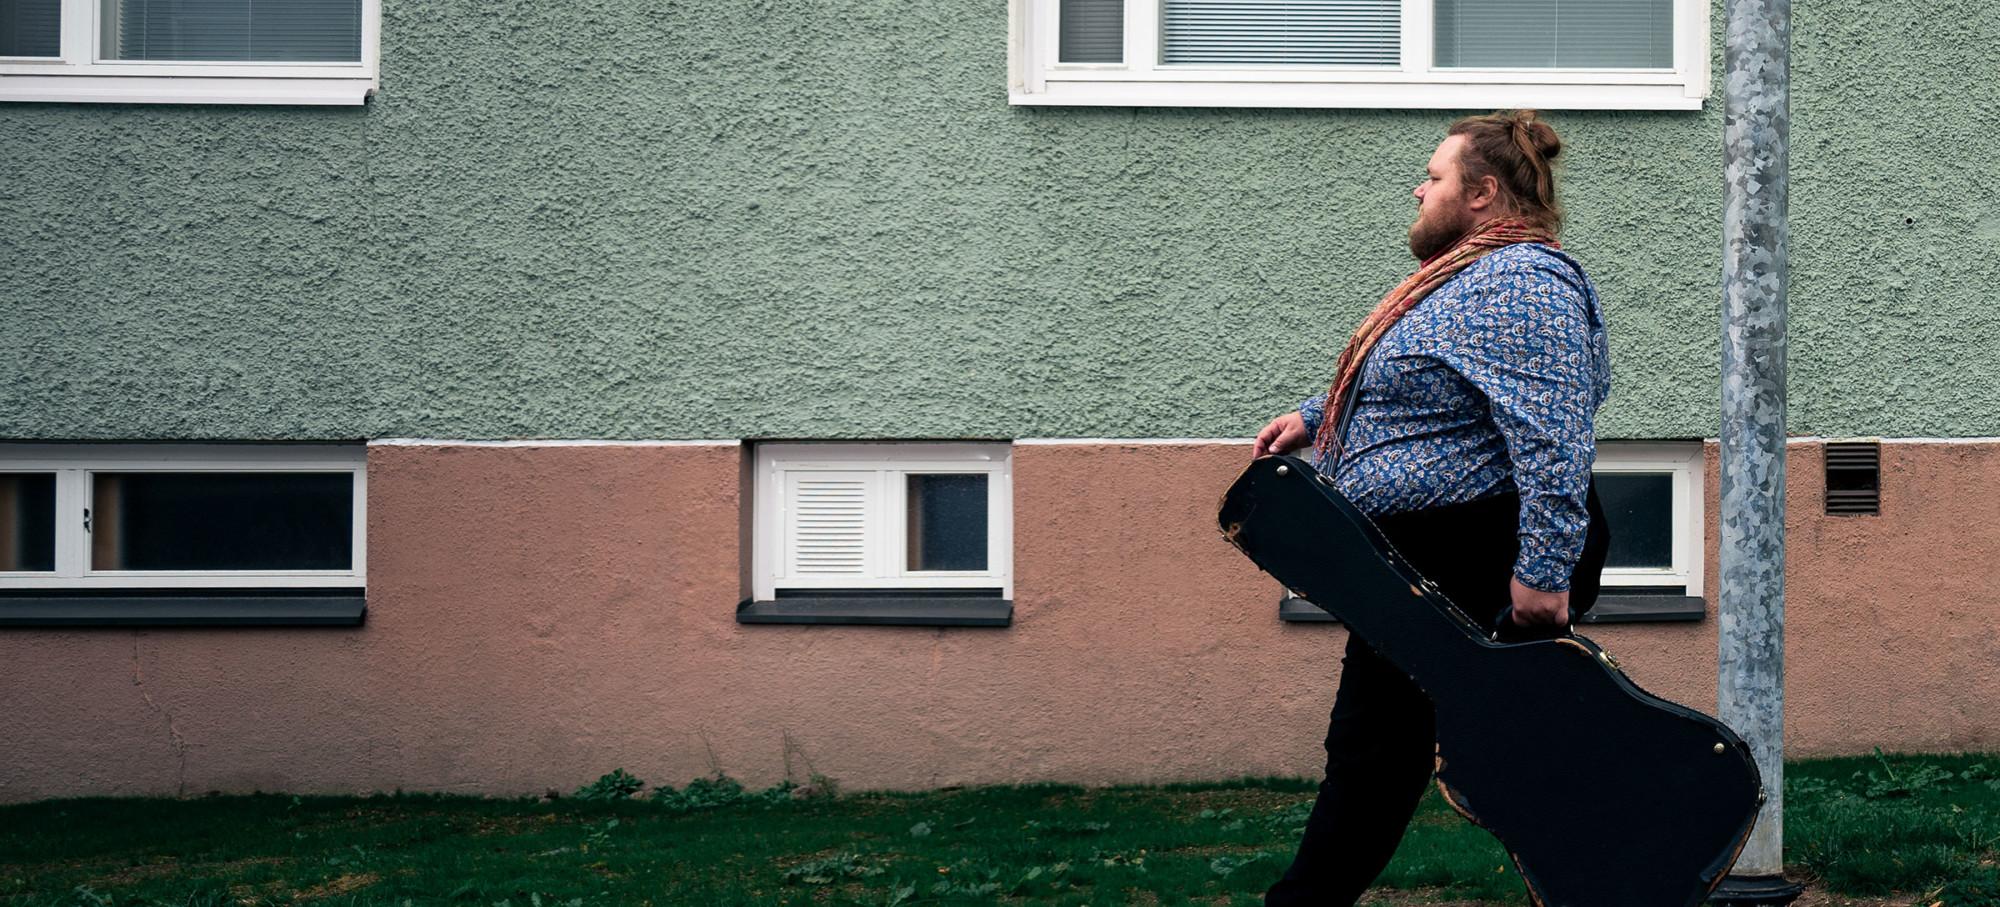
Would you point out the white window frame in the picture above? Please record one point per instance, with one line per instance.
(81, 75)
(73, 465)
(1685, 463)
(1037, 78)
(886, 551)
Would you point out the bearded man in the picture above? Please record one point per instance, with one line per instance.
(1460, 420)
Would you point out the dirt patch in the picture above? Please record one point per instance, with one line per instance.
(343, 885)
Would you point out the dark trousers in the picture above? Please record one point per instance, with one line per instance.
(1381, 741)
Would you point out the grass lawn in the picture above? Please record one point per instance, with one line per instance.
(1901, 830)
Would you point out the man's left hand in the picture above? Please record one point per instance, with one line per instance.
(1533, 606)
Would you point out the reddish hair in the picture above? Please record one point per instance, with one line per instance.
(1519, 152)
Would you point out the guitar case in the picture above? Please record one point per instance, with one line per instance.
(1663, 834)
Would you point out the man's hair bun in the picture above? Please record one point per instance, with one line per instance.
(1519, 150)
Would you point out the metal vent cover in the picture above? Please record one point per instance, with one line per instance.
(1853, 478)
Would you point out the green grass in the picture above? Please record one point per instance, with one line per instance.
(1916, 826)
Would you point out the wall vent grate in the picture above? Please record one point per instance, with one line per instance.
(1853, 478)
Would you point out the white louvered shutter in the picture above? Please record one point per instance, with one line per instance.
(827, 517)
(1298, 32)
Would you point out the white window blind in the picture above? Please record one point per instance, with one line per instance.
(1555, 34)
(1091, 31)
(291, 31)
(30, 28)
(1298, 32)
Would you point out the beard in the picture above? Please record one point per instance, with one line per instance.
(1432, 235)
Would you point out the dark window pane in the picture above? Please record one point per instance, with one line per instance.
(1639, 506)
(947, 521)
(318, 31)
(28, 521)
(222, 521)
(30, 28)
(1091, 31)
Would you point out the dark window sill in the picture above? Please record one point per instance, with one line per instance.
(1652, 608)
(1610, 609)
(882, 611)
(183, 608)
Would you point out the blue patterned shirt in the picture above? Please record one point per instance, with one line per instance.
(1489, 385)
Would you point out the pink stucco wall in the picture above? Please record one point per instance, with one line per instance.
(541, 615)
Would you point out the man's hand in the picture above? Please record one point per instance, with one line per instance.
(1284, 433)
(1533, 606)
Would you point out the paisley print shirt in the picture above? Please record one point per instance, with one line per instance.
(1489, 385)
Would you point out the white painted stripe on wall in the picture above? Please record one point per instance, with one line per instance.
(1051, 442)
(549, 442)
(1128, 441)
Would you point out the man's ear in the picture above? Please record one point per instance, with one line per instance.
(1485, 193)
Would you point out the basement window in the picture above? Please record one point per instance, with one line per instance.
(182, 533)
(882, 533)
(1653, 500)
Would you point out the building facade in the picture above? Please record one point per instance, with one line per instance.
(495, 395)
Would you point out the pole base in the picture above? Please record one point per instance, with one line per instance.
(1746, 891)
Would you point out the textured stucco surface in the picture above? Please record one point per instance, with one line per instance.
(539, 616)
(727, 219)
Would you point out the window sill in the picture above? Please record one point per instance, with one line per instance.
(1084, 92)
(145, 608)
(884, 611)
(81, 89)
(1610, 609)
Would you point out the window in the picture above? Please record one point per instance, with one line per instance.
(1652, 497)
(1553, 54)
(182, 534)
(189, 51)
(881, 533)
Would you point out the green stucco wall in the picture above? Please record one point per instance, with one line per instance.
(720, 219)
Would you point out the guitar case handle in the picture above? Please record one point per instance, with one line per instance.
(1505, 630)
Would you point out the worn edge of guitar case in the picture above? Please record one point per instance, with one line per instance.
(1711, 875)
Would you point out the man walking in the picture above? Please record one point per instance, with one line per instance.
(1460, 419)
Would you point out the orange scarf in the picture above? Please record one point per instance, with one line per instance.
(1494, 234)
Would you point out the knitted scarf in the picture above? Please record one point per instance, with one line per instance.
(1430, 275)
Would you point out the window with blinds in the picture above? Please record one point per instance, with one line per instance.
(1092, 31)
(1294, 32)
(1555, 34)
(1435, 54)
(30, 28)
(268, 31)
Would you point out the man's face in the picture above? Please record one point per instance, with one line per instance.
(1444, 212)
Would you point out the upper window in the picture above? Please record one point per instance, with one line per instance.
(896, 519)
(189, 51)
(1597, 54)
(164, 516)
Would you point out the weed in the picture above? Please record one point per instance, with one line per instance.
(618, 785)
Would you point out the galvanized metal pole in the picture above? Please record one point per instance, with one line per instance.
(1751, 602)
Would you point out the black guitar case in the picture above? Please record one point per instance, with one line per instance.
(1687, 791)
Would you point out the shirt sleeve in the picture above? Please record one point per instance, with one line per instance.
(1523, 339)
(1313, 410)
